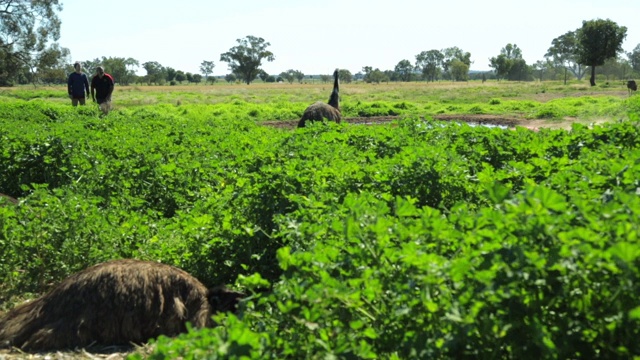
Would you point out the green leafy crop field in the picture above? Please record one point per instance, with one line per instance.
(415, 238)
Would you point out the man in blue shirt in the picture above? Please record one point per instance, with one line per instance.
(77, 85)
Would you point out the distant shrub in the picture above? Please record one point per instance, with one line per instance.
(546, 113)
(494, 102)
(404, 106)
(379, 108)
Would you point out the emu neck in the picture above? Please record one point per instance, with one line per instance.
(334, 100)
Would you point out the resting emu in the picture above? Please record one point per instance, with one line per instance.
(116, 302)
(7, 199)
(631, 85)
(319, 110)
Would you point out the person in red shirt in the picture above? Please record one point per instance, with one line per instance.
(101, 89)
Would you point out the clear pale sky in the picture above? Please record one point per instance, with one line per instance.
(316, 37)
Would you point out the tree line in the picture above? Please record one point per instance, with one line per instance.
(29, 53)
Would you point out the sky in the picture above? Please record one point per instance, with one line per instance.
(316, 37)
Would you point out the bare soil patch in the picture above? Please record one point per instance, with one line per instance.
(475, 119)
(112, 353)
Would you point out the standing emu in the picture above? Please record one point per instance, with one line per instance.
(319, 110)
(116, 302)
(631, 85)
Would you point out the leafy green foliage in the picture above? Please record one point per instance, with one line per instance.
(418, 239)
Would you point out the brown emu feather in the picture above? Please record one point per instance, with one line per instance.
(319, 110)
(116, 302)
(8, 199)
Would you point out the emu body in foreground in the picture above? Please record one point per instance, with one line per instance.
(7, 199)
(116, 302)
(319, 110)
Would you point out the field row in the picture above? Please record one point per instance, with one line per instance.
(416, 239)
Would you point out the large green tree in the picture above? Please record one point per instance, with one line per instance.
(372, 75)
(500, 65)
(51, 65)
(519, 70)
(263, 75)
(291, 75)
(404, 70)
(122, 69)
(27, 29)
(206, 67)
(10, 67)
(459, 70)
(452, 54)
(170, 73)
(156, 73)
(512, 51)
(246, 58)
(345, 76)
(634, 58)
(563, 52)
(288, 75)
(598, 40)
(510, 64)
(88, 66)
(180, 76)
(430, 63)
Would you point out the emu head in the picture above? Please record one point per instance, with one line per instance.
(222, 299)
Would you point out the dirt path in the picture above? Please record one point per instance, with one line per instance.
(482, 119)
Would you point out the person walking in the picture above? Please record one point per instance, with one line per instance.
(77, 83)
(101, 89)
